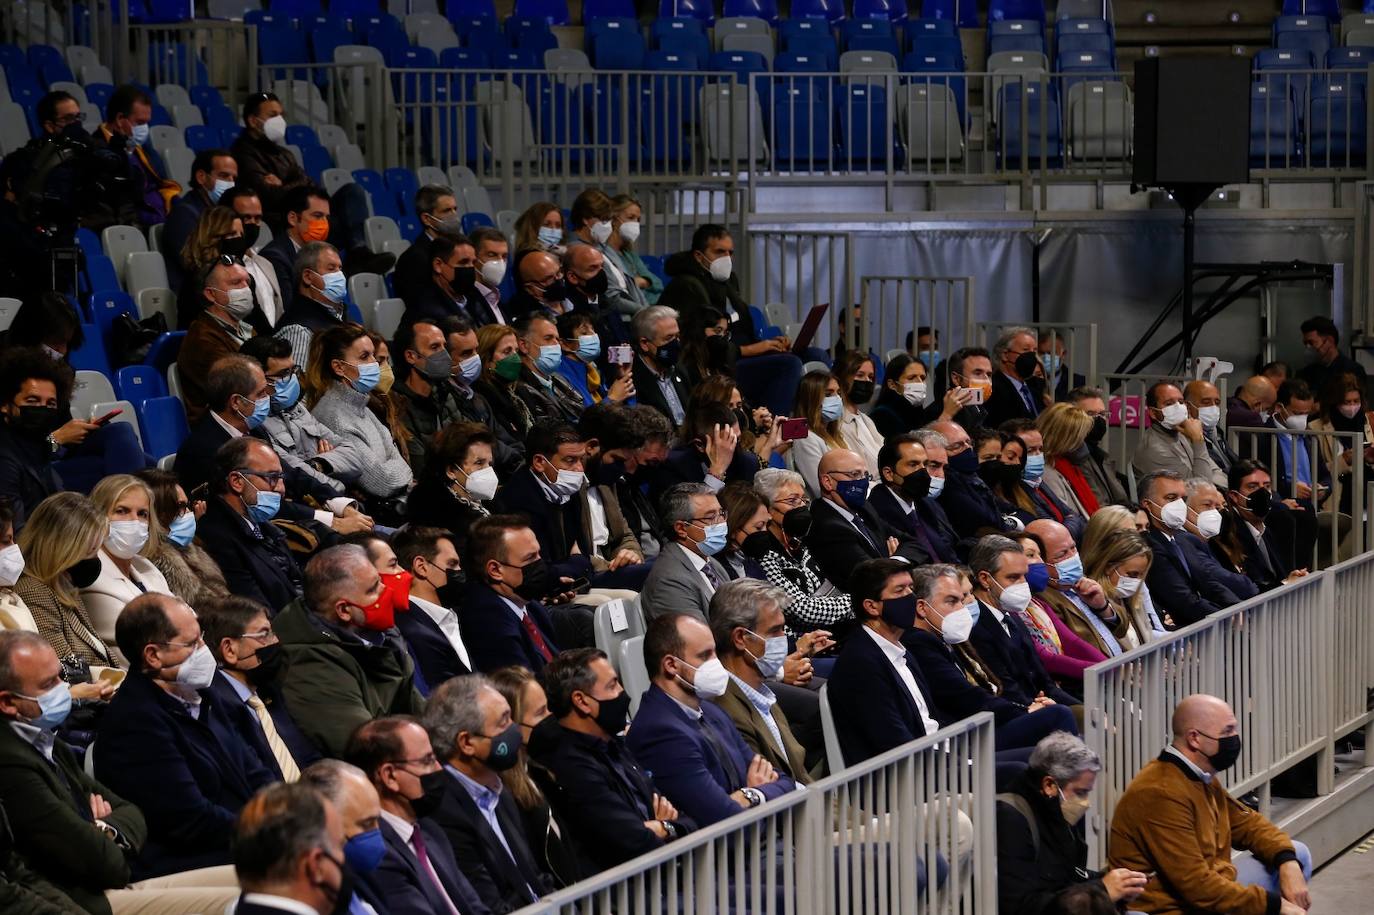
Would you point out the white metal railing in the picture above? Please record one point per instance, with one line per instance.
(911, 830)
(1078, 339)
(1296, 664)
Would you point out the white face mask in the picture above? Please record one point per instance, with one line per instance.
(239, 302)
(493, 272)
(915, 393)
(1297, 422)
(11, 565)
(126, 538)
(710, 680)
(481, 484)
(600, 232)
(198, 670)
(1209, 523)
(629, 231)
(1127, 586)
(1174, 415)
(274, 128)
(1174, 515)
(937, 486)
(569, 482)
(721, 268)
(956, 627)
(470, 368)
(1014, 598)
(1210, 417)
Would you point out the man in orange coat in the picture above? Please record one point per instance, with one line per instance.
(1177, 823)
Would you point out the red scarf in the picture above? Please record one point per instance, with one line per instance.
(1077, 482)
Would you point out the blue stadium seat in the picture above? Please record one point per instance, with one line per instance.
(164, 350)
(315, 159)
(941, 46)
(1349, 58)
(1071, 42)
(820, 46)
(1083, 65)
(90, 357)
(946, 28)
(885, 43)
(296, 8)
(934, 70)
(464, 59)
(89, 242)
(163, 421)
(1336, 132)
(383, 201)
(1286, 61)
(554, 12)
(222, 117)
(203, 96)
(829, 10)
(367, 26)
(410, 226)
(1274, 130)
(593, 10)
(174, 62)
(403, 185)
(283, 46)
(601, 101)
(803, 131)
(1015, 35)
(266, 19)
(51, 65)
(561, 122)
(1016, 9)
(670, 61)
(452, 137)
(1331, 9)
(108, 304)
(1082, 27)
(612, 25)
(100, 274)
(741, 63)
(853, 28)
(301, 135)
(766, 10)
(475, 221)
(697, 46)
(227, 135)
(200, 137)
(98, 94)
(866, 134)
(703, 10)
(618, 51)
(1308, 33)
(674, 25)
(891, 10)
(136, 383)
(798, 62)
(791, 29)
(324, 40)
(457, 9)
(1048, 143)
(665, 113)
(351, 9)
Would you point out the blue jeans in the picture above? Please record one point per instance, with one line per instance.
(1253, 872)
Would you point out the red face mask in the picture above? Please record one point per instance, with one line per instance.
(397, 586)
(381, 614)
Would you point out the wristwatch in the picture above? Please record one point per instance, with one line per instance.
(53, 446)
(753, 795)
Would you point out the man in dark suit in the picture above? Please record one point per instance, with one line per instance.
(493, 261)
(239, 633)
(1016, 391)
(307, 220)
(33, 392)
(903, 500)
(74, 831)
(507, 578)
(432, 632)
(999, 584)
(348, 789)
(235, 531)
(698, 760)
(966, 499)
(551, 492)
(233, 387)
(709, 452)
(686, 573)
(845, 528)
(436, 206)
(659, 383)
(448, 284)
(1262, 527)
(1052, 348)
(1183, 579)
(418, 873)
(540, 288)
(213, 172)
(601, 792)
(170, 746)
(281, 862)
(471, 730)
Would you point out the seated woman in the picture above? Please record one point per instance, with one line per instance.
(497, 345)
(189, 571)
(856, 372)
(1343, 410)
(581, 347)
(1041, 849)
(14, 613)
(708, 452)
(706, 345)
(216, 227)
(539, 228)
(126, 569)
(61, 548)
(343, 373)
(820, 404)
(457, 479)
(1134, 565)
(1071, 473)
(1018, 491)
(1063, 653)
(758, 432)
(625, 226)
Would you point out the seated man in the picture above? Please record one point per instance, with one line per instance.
(262, 275)
(549, 396)
(1178, 824)
(219, 330)
(906, 498)
(602, 794)
(169, 745)
(685, 574)
(436, 206)
(418, 873)
(698, 760)
(845, 529)
(708, 452)
(471, 731)
(767, 372)
(128, 114)
(541, 288)
(213, 172)
(659, 383)
(493, 255)
(347, 661)
(581, 348)
(1252, 404)
(448, 286)
(245, 495)
(265, 165)
(629, 443)
(969, 368)
(288, 843)
(1017, 392)
(507, 579)
(1204, 401)
(1321, 338)
(319, 302)
(461, 338)
(305, 210)
(1080, 602)
(967, 500)
(350, 792)
(239, 633)
(431, 629)
(1258, 538)
(1173, 441)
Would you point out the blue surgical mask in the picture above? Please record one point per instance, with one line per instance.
(589, 346)
(937, 486)
(141, 133)
(1050, 362)
(261, 407)
(550, 355)
(286, 392)
(1034, 469)
(470, 368)
(550, 237)
(854, 493)
(832, 408)
(369, 373)
(183, 529)
(365, 851)
(54, 707)
(1038, 577)
(267, 505)
(218, 191)
(929, 359)
(975, 610)
(335, 286)
(1070, 570)
(716, 535)
(773, 657)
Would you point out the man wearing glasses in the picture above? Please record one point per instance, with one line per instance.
(686, 574)
(168, 745)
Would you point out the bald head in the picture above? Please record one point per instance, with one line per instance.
(1201, 712)
(536, 266)
(1053, 534)
(1201, 393)
(1259, 393)
(836, 466)
(583, 258)
(1206, 732)
(956, 438)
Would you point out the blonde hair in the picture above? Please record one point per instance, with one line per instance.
(1104, 522)
(63, 530)
(511, 683)
(110, 490)
(202, 247)
(619, 204)
(810, 394)
(1063, 427)
(489, 337)
(1114, 549)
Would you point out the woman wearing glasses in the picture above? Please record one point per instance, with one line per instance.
(190, 572)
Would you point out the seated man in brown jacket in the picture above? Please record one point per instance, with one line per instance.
(1178, 824)
(216, 332)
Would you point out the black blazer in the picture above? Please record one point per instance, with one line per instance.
(929, 519)
(838, 546)
(181, 222)
(504, 881)
(558, 528)
(498, 638)
(302, 750)
(429, 302)
(1014, 660)
(262, 570)
(1269, 560)
(945, 677)
(435, 660)
(196, 460)
(1006, 402)
(409, 891)
(647, 391)
(1186, 592)
(873, 710)
(413, 270)
(281, 253)
(27, 476)
(970, 504)
(686, 464)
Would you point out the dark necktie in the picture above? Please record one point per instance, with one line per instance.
(711, 575)
(862, 528)
(1026, 396)
(1178, 551)
(913, 523)
(417, 839)
(536, 637)
(727, 762)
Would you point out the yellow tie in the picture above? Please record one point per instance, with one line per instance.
(289, 771)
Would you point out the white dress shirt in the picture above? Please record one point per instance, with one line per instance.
(447, 621)
(897, 655)
(699, 563)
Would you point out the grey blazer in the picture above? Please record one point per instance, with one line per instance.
(675, 586)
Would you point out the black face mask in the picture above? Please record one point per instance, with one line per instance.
(916, 486)
(451, 592)
(991, 471)
(611, 714)
(965, 461)
(85, 572)
(535, 583)
(596, 285)
(667, 353)
(272, 664)
(464, 281)
(235, 247)
(797, 522)
(860, 392)
(1025, 365)
(717, 349)
(74, 131)
(1260, 502)
(435, 784)
(343, 896)
(543, 737)
(608, 473)
(757, 545)
(1098, 431)
(38, 422)
(251, 233)
(556, 291)
(1228, 751)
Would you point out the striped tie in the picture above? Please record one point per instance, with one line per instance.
(289, 770)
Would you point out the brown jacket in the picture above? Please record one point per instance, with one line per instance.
(752, 728)
(257, 157)
(1171, 823)
(1073, 617)
(207, 339)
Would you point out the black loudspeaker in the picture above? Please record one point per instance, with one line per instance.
(1192, 121)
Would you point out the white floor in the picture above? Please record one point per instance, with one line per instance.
(1345, 884)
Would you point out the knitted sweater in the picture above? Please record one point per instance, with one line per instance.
(384, 473)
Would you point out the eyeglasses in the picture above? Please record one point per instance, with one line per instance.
(69, 119)
(852, 475)
(428, 760)
(713, 518)
(794, 501)
(262, 635)
(200, 640)
(271, 478)
(294, 371)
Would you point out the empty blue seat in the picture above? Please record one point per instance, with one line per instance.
(367, 26)
(323, 41)
(553, 11)
(1016, 9)
(301, 135)
(200, 137)
(1071, 42)
(351, 9)
(1082, 27)
(283, 46)
(475, 221)
(456, 9)
(593, 10)
(227, 135)
(818, 45)
(136, 383)
(1274, 131)
(1083, 65)
(891, 10)
(1278, 68)
(170, 61)
(98, 94)
(221, 117)
(464, 59)
(703, 10)
(164, 350)
(885, 43)
(829, 10)
(853, 28)
(1042, 143)
(941, 46)
(295, 8)
(766, 10)
(1331, 9)
(803, 130)
(670, 61)
(618, 51)
(517, 28)
(88, 242)
(1309, 33)
(1015, 35)
(866, 134)
(741, 63)
(479, 32)
(601, 100)
(315, 159)
(163, 420)
(1349, 58)
(383, 201)
(616, 25)
(100, 274)
(698, 46)
(916, 28)
(108, 304)
(90, 356)
(791, 29)
(403, 184)
(561, 123)
(1336, 132)
(203, 96)
(268, 19)
(665, 112)
(797, 62)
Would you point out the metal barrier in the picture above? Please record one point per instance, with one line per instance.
(911, 830)
(1296, 664)
(1079, 342)
(894, 306)
(1129, 417)
(789, 271)
(218, 52)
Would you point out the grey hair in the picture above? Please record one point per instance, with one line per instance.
(11, 640)
(769, 481)
(453, 708)
(327, 777)
(930, 438)
(645, 322)
(427, 197)
(737, 605)
(1064, 757)
(330, 574)
(1004, 342)
(986, 555)
(1146, 488)
(1198, 484)
(923, 578)
(308, 258)
(676, 503)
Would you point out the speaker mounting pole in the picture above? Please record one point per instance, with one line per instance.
(1189, 197)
